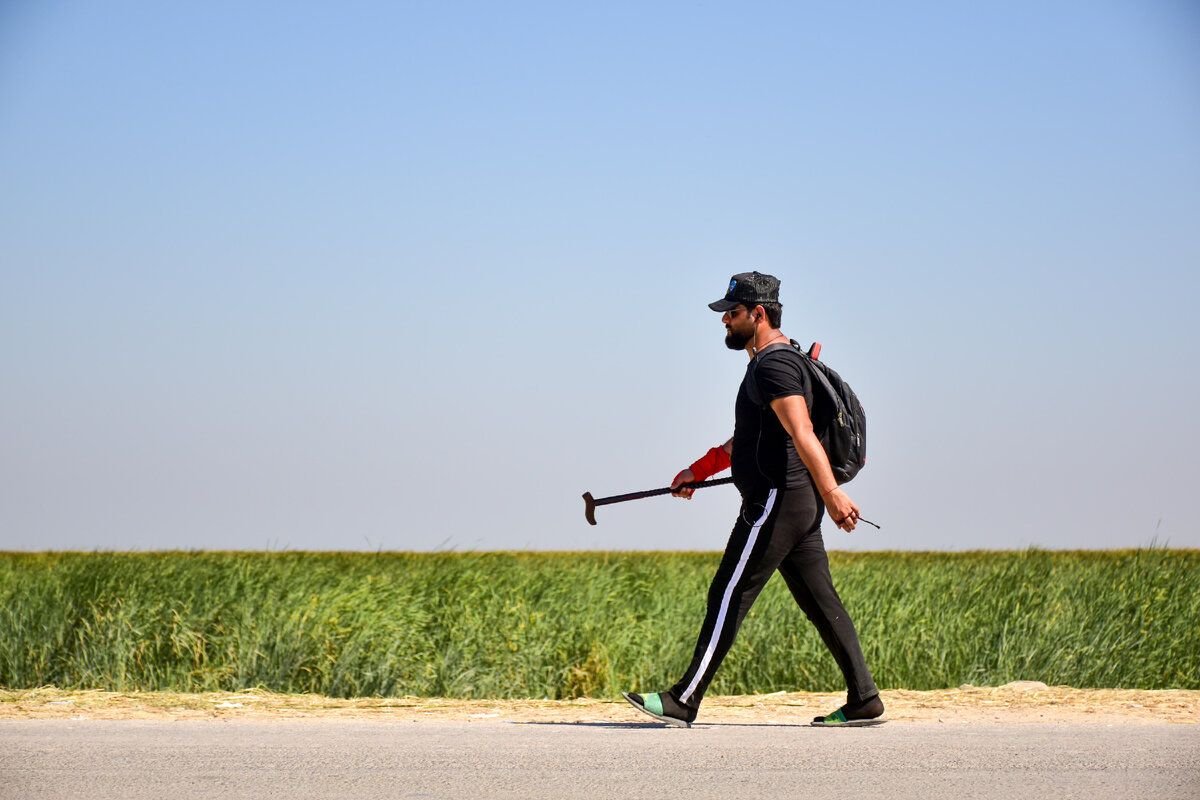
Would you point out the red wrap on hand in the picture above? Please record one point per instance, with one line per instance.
(709, 464)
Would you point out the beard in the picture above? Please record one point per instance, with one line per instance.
(737, 341)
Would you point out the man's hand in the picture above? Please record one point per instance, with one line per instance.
(842, 510)
(703, 468)
(684, 477)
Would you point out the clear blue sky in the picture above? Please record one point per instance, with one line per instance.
(416, 275)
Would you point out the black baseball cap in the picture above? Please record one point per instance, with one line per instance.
(748, 289)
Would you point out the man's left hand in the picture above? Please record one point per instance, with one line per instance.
(842, 510)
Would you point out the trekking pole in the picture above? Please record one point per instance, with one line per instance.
(590, 503)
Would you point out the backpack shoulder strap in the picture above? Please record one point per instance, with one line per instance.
(816, 369)
(752, 388)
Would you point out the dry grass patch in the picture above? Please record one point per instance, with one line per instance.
(1013, 703)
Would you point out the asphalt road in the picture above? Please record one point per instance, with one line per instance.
(180, 759)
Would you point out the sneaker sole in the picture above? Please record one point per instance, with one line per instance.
(853, 723)
(674, 723)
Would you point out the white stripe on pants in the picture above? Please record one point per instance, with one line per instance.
(711, 648)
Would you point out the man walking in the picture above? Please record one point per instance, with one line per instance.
(784, 477)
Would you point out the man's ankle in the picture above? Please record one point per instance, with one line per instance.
(868, 708)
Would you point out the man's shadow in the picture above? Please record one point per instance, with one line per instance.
(653, 725)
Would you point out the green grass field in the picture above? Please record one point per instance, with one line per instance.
(561, 625)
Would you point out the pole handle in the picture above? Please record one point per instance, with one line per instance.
(590, 503)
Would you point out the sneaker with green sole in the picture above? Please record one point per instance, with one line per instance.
(858, 715)
(662, 707)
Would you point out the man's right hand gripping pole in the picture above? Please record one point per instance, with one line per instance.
(703, 468)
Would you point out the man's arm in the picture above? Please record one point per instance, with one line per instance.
(793, 415)
(687, 476)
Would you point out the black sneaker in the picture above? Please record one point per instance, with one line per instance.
(853, 715)
(662, 707)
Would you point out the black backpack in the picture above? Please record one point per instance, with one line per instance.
(837, 416)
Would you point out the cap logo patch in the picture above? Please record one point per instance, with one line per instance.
(732, 286)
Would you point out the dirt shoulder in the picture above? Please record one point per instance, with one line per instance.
(1022, 702)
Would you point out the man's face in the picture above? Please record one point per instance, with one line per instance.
(739, 327)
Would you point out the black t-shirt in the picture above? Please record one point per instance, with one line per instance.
(764, 455)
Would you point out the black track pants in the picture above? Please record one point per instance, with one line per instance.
(780, 529)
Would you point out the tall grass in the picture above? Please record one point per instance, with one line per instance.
(582, 624)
